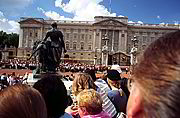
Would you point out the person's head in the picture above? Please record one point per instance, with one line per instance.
(82, 81)
(115, 62)
(54, 25)
(113, 78)
(89, 102)
(157, 73)
(22, 101)
(55, 94)
(13, 74)
(116, 67)
(92, 73)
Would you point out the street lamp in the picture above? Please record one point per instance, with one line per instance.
(105, 50)
(134, 51)
(95, 56)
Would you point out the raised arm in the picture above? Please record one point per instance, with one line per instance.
(47, 35)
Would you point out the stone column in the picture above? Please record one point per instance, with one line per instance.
(102, 58)
(20, 37)
(125, 41)
(112, 42)
(94, 39)
(119, 45)
(100, 38)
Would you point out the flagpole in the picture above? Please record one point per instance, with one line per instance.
(110, 6)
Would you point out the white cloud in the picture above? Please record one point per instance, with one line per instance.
(120, 16)
(1, 14)
(11, 4)
(131, 22)
(158, 17)
(140, 22)
(176, 22)
(8, 26)
(162, 23)
(84, 9)
(52, 14)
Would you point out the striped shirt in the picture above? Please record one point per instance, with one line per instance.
(107, 104)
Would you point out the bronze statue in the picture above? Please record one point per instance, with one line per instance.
(49, 50)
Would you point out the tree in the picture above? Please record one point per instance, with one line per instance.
(14, 40)
(9, 40)
(3, 38)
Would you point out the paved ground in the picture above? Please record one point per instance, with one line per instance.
(10, 71)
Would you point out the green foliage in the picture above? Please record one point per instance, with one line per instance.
(8, 40)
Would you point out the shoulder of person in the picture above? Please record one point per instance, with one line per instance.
(66, 115)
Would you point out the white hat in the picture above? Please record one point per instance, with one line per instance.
(116, 67)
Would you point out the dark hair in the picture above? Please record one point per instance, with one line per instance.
(55, 94)
(156, 72)
(22, 101)
(54, 25)
(115, 62)
(92, 73)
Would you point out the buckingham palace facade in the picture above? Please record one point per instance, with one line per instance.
(84, 40)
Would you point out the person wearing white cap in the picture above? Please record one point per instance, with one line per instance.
(116, 67)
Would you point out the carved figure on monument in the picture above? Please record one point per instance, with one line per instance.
(133, 56)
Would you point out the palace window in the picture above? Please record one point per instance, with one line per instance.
(67, 45)
(75, 36)
(86, 37)
(79, 30)
(82, 36)
(67, 35)
(71, 30)
(86, 30)
(30, 34)
(152, 39)
(90, 36)
(89, 47)
(82, 46)
(144, 39)
(36, 34)
(74, 45)
(64, 30)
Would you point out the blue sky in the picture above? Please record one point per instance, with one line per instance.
(146, 11)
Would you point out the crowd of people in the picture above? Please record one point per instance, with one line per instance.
(64, 66)
(11, 79)
(152, 91)
(18, 64)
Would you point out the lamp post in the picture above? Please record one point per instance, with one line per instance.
(105, 50)
(95, 56)
(134, 51)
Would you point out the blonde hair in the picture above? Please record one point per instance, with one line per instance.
(90, 100)
(116, 84)
(82, 81)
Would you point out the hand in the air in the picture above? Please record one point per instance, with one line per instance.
(73, 110)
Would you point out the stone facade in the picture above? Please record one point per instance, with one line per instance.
(83, 39)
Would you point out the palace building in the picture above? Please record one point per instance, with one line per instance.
(102, 41)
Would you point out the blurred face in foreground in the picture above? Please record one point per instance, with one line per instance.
(156, 80)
